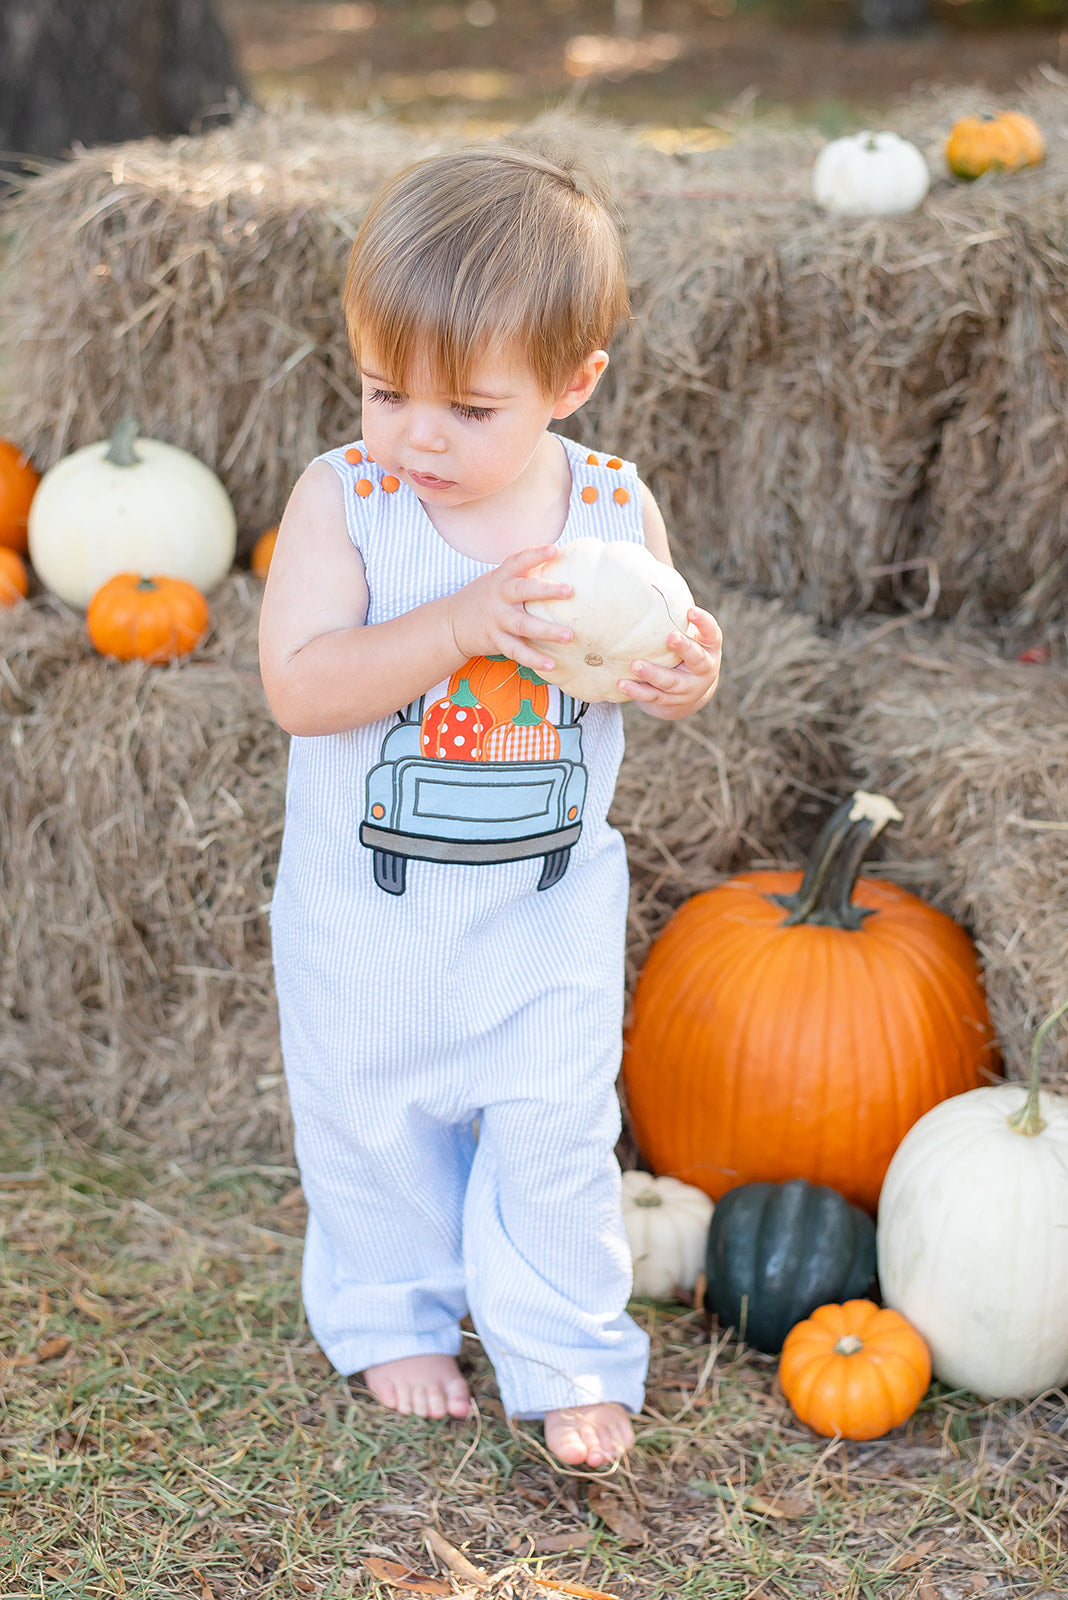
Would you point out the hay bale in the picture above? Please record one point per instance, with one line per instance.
(139, 823)
(814, 401)
(140, 817)
(973, 747)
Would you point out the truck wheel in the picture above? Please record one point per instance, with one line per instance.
(553, 868)
(389, 871)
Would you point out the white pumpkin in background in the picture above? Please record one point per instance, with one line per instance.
(667, 1226)
(973, 1236)
(624, 604)
(129, 505)
(869, 175)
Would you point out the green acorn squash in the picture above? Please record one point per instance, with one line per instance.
(776, 1251)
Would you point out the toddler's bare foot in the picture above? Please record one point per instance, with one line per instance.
(591, 1434)
(426, 1386)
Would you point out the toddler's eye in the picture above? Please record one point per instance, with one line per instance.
(473, 413)
(385, 397)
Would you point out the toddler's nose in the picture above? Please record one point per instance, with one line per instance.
(425, 433)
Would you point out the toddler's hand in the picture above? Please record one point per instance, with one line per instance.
(674, 692)
(488, 618)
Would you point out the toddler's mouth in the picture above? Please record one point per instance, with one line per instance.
(427, 480)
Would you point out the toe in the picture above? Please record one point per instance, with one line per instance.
(457, 1398)
(435, 1402)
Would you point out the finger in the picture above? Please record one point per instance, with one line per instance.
(709, 629)
(666, 679)
(695, 656)
(526, 626)
(522, 561)
(518, 590)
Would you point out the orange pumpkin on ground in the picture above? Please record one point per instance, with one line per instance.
(502, 685)
(1006, 140)
(783, 1029)
(146, 619)
(14, 579)
(854, 1370)
(18, 484)
(262, 551)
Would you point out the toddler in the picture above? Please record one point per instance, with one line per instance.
(449, 916)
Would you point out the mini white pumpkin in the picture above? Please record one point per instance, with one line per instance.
(624, 604)
(667, 1226)
(973, 1236)
(117, 506)
(869, 175)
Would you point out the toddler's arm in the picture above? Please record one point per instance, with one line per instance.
(325, 671)
(674, 692)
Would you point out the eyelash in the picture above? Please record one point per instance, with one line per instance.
(390, 397)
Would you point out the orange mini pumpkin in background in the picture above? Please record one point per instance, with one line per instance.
(14, 579)
(262, 551)
(146, 619)
(1004, 141)
(854, 1370)
(18, 484)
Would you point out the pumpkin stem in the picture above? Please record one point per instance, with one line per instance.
(848, 1345)
(121, 452)
(1028, 1119)
(825, 895)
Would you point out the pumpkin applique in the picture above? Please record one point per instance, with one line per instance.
(501, 686)
(527, 737)
(454, 728)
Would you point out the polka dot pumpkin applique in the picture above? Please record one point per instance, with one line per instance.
(454, 728)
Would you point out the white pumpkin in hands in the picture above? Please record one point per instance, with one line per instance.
(869, 175)
(129, 505)
(667, 1225)
(973, 1236)
(623, 606)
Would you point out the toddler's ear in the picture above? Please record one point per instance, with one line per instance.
(582, 384)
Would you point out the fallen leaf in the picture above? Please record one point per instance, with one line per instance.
(304, 1586)
(579, 1589)
(787, 1506)
(206, 1590)
(455, 1559)
(615, 1515)
(912, 1558)
(400, 1577)
(87, 1307)
(47, 1350)
(927, 1591)
(44, 1304)
(553, 1544)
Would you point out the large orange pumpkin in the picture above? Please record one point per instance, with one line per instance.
(148, 619)
(14, 579)
(502, 685)
(1004, 141)
(784, 1028)
(18, 484)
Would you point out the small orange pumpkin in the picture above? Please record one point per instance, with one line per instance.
(146, 619)
(854, 1370)
(18, 484)
(14, 579)
(262, 551)
(1005, 140)
(502, 685)
(784, 1027)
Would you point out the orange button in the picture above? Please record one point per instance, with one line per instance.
(353, 457)
(591, 461)
(364, 486)
(390, 485)
(620, 496)
(613, 461)
(589, 494)
(371, 459)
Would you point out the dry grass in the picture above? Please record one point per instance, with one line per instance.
(185, 1437)
(814, 402)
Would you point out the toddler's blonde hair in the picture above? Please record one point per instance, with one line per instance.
(508, 247)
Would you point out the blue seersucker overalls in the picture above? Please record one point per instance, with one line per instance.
(448, 929)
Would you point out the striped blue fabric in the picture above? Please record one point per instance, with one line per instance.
(448, 949)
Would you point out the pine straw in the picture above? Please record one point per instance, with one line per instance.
(974, 750)
(813, 401)
(140, 817)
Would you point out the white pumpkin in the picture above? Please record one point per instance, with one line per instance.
(869, 175)
(624, 604)
(667, 1226)
(117, 506)
(973, 1237)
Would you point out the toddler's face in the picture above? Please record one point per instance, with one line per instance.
(455, 451)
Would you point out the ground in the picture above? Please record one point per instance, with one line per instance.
(691, 63)
(168, 1427)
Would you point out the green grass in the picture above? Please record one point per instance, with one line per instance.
(190, 1439)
